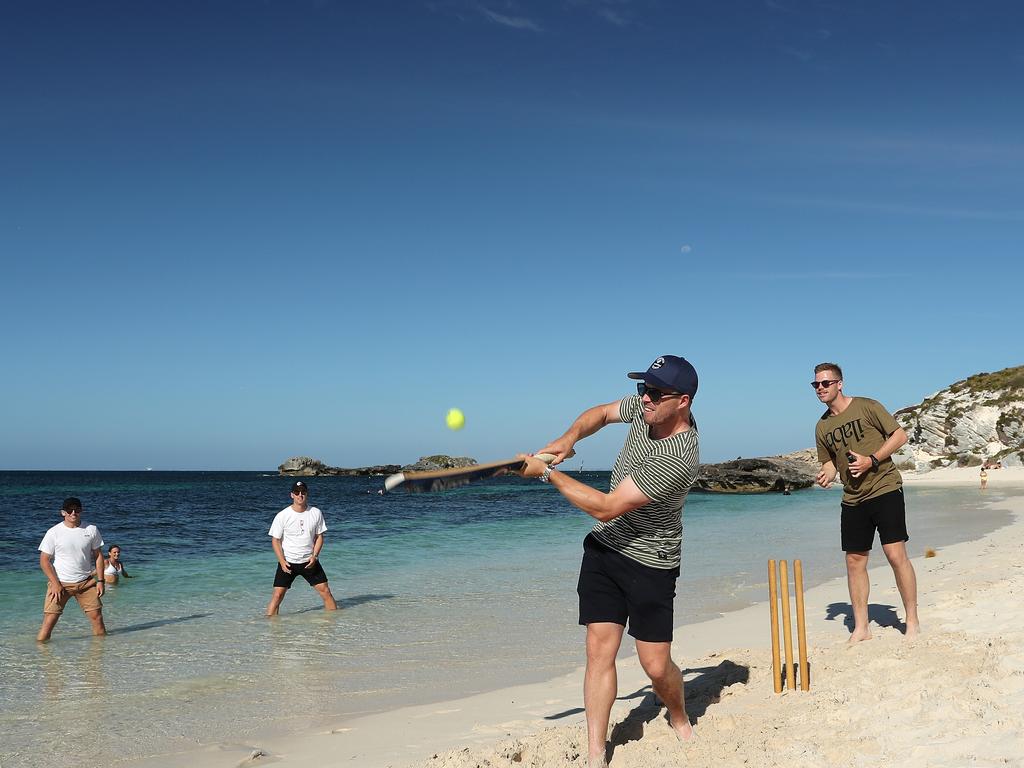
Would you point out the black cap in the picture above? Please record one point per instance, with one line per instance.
(71, 503)
(298, 485)
(670, 373)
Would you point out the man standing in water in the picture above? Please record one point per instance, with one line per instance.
(298, 536)
(856, 437)
(71, 556)
(631, 557)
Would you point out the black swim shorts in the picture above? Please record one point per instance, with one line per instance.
(886, 513)
(616, 589)
(314, 575)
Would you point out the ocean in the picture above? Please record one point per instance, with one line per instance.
(442, 595)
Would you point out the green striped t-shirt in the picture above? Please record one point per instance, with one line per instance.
(663, 470)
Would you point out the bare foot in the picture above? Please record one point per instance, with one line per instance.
(684, 731)
(597, 762)
(859, 636)
(912, 630)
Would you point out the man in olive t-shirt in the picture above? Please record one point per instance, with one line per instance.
(856, 438)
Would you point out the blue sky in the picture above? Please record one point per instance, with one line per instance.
(233, 232)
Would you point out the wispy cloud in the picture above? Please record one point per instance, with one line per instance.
(617, 12)
(613, 17)
(824, 277)
(798, 54)
(902, 209)
(515, 22)
(685, 248)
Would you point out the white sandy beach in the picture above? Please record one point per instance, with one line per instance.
(953, 697)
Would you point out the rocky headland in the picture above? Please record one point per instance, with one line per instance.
(979, 420)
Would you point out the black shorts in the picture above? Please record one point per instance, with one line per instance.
(614, 588)
(886, 513)
(314, 575)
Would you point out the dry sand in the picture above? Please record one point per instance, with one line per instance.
(950, 698)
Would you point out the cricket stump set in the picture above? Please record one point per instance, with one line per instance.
(778, 590)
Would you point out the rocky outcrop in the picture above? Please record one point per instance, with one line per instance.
(788, 472)
(438, 461)
(304, 466)
(977, 420)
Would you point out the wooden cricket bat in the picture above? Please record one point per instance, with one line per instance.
(443, 479)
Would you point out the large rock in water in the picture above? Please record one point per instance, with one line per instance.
(977, 420)
(788, 472)
(304, 466)
(438, 461)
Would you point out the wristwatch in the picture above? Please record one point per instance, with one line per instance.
(546, 475)
(874, 461)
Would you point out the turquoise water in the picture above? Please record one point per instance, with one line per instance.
(442, 595)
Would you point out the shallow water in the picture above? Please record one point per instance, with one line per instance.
(441, 595)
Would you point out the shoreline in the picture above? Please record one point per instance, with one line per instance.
(540, 718)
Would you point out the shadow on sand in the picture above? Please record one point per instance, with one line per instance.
(882, 615)
(701, 693)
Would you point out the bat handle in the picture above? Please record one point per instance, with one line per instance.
(547, 458)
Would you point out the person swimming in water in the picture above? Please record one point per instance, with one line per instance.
(114, 567)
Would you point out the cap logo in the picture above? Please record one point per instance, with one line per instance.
(657, 363)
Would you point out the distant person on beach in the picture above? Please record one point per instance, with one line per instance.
(856, 438)
(631, 557)
(297, 534)
(114, 568)
(71, 556)
(984, 478)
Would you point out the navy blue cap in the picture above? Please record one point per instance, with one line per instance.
(298, 485)
(671, 374)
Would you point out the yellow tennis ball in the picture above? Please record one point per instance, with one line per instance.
(455, 419)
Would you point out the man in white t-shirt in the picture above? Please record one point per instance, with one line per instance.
(71, 556)
(297, 534)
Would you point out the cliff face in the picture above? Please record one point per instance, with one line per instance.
(977, 420)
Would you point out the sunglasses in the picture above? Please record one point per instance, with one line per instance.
(826, 383)
(655, 395)
(71, 511)
(300, 493)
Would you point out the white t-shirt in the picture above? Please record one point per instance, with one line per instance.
(297, 532)
(73, 551)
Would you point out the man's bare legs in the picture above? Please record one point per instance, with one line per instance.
(275, 600)
(600, 685)
(325, 592)
(96, 617)
(656, 659)
(49, 622)
(906, 583)
(860, 587)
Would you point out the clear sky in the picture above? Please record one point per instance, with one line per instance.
(233, 231)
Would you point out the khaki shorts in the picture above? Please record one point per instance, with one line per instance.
(83, 591)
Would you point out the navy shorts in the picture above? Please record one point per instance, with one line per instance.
(314, 575)
(617, 589)
(886, 513)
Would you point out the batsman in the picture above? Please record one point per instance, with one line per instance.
(631, 557)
